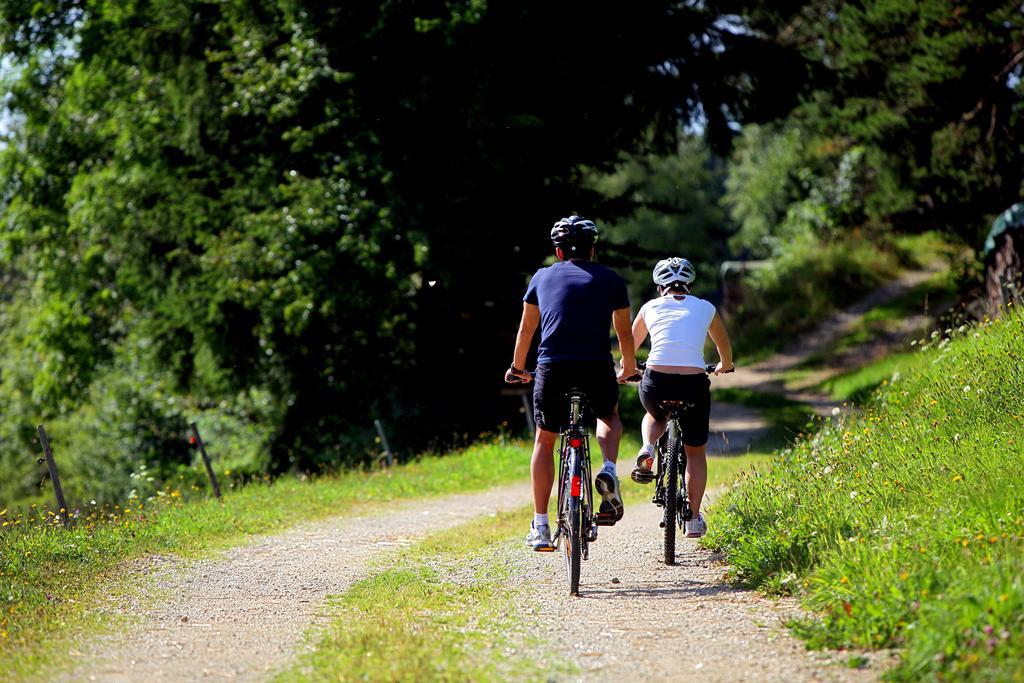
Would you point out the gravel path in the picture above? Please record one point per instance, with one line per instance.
(733, 428)
(243, 616)
(639, 619)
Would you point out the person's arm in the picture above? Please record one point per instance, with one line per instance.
(639, 332)
(720, 336)
(620, 320)
(527, 327)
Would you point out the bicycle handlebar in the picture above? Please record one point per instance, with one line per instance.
(709, 369)
(521, 379)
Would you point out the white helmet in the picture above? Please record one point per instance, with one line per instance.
(672, 270)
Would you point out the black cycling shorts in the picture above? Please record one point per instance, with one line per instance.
(552, 381)
(692, 389)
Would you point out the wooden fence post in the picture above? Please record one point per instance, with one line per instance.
(198, 440)
(384, 442)
(528, 411)
(65, 515)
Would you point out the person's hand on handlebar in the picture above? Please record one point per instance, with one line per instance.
(516, 376)
(625, 374)
(721, 369)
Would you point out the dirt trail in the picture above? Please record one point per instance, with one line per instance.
(639, 619)
(766, 375)
(243, 616)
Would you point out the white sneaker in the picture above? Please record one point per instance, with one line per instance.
(539, 537)
(695, 528)
(607, 484)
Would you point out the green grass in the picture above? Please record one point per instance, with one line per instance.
(858, 385)
(442, 610)
(786, 418)
(49, 576)
(883, 321)
(803, 285)
(902, 526)
(810, 280)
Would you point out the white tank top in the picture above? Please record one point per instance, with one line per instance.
(678, 329)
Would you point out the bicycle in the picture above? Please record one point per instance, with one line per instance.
(577, 521)
(670, 461)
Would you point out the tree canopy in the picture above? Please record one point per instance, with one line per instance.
(333, 204)
(310, 214)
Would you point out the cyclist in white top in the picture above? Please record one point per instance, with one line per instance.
(679, 324)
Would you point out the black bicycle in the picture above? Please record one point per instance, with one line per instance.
(577, 523)
(669, 479)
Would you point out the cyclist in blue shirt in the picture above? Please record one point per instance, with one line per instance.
(574, 302)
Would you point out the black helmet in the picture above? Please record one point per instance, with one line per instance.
(574, 232)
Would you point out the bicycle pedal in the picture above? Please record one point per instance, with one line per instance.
(545, 549)
(605, 518)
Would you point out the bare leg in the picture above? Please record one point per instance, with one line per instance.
(542, 469)
(609, 433)
(696, 475)
(652, 429)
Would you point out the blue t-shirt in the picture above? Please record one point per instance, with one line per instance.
(576, 300)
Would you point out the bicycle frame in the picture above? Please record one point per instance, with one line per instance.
(684, 514)
(575, 491)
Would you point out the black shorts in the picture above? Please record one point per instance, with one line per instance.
(693, 389)
(552, 382)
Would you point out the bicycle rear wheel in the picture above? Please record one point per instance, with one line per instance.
(671, 509)
(570, 519)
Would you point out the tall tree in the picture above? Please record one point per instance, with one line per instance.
(932, 92)
(335, 204)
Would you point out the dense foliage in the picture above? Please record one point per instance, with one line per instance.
(914, 122)
(302, 216)
(287, 218)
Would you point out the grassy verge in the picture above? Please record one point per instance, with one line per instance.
(887, 321)
(444, 609)
(804, 284)
(49, 576)
(858, 385)
(786, 418)
(810, 280)
(902, 526)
